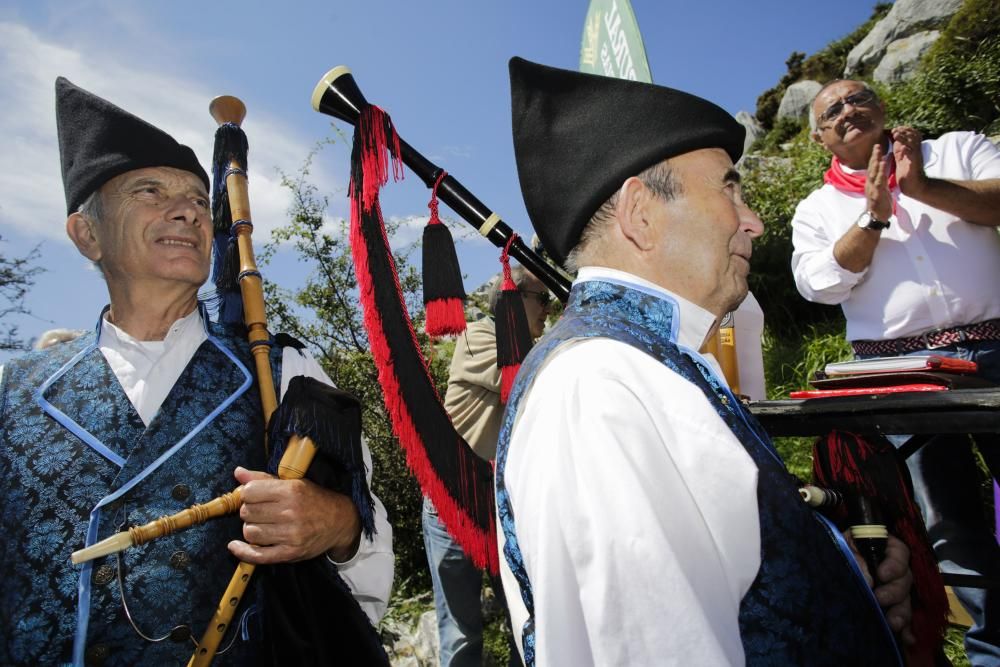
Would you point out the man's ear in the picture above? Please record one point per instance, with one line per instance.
(634, 213)
(80, 230)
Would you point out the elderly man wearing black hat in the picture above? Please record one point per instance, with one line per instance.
(148, 414)
(646, 517)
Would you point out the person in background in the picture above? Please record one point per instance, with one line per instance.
(903, 236)
(472, 400)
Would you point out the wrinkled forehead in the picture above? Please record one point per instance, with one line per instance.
(169, 177)
(834, 93)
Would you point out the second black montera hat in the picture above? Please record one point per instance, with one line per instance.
(98, 141)
(577, 137)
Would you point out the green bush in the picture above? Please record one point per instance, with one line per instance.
(957, 89)
(773, 187)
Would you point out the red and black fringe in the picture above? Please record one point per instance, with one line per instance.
(459, 483)
(444, 295)
(513, 335)
(852, 466)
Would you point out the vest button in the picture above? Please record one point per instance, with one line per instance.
(104, 574)
(97, 654)
(179, 560)
(180, 634)
(181, 492)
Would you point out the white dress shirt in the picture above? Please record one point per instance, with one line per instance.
(635, 507)
(931, 269)
(148, 370)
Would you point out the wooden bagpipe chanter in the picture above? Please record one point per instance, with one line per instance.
(457, 481)
(310, 615)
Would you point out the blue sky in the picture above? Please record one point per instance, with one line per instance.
(440, 69)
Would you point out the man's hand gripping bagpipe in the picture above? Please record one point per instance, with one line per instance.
(313, 417)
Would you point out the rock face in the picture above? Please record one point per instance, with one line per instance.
(411, 647)
(797, 98)
(753, 128)
(902, 57)
(906, 18)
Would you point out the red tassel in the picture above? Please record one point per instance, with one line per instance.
(513, 335)
(445, 317)
(850, 464)
(444, 296)
(507, 375)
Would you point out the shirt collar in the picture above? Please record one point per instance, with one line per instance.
(695, 321)
(113, 336)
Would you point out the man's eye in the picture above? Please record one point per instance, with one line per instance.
(202, 202)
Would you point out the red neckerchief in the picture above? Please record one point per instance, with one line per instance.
(855, 181)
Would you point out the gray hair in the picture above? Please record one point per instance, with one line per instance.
(659, 179)
(93, 206)
(518, 274)
(813, 122)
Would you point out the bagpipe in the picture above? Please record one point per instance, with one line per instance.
(303, 602)
(457, 481)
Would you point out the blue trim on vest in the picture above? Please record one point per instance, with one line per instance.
(83, 589)
(65, 420)
(609, 309)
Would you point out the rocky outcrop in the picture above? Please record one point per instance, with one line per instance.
(906, 18)
(411, 647)
(798, 96)
(752, 127)
(902, 57)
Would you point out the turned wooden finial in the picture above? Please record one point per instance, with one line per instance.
(227, 109)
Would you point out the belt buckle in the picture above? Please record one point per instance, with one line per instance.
(925, 338)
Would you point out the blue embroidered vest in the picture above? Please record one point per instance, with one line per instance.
(808, 604)
(53, 481)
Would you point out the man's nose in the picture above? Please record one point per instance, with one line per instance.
(182, 209)
(750, 223)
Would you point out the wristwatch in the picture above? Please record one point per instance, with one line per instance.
(867, 220)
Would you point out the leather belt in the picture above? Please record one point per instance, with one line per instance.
(988, 330)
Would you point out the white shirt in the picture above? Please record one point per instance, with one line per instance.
(148, 370)
(635, 508)
(931, 269)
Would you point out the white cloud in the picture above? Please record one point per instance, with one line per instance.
(31, 197)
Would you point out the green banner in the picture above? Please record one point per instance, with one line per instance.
(612, 45)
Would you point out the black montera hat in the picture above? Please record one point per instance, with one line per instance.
(577, 137)
(98, 141)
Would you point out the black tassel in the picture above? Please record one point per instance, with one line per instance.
(331, 418)
(444, 295)
(230, 144)
(513, 335)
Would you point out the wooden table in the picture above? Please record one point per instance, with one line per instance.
(923, 414)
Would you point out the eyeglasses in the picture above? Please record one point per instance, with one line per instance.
(862, 98)
(544, 298)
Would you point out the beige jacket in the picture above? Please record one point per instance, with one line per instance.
(473, 396)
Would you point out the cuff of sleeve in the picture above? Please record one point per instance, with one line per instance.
(342, 565)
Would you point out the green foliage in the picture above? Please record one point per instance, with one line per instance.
(17, 276)
(773, 187)
(783, 131)
(326, 315)
(956, 89)
(954, 646)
